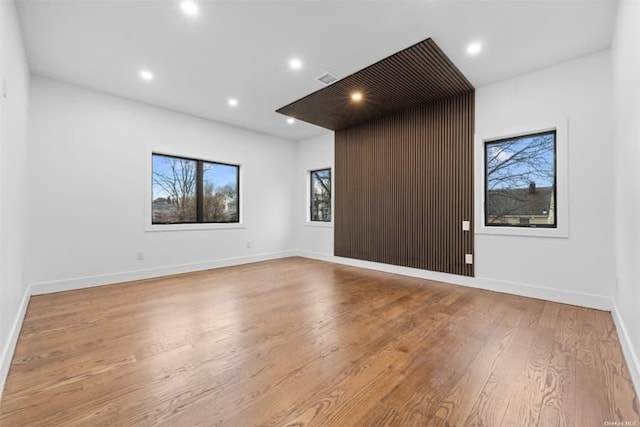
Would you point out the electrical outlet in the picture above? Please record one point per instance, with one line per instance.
(140, 256)
(466, 226)
(248, 244)
(468, 258)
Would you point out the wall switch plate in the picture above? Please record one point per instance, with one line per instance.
(468, 258)
(140, 256)
(248, 244)
(466, 225)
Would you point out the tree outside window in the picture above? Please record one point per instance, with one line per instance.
(320, 195)
(193, 191)
(520, 181)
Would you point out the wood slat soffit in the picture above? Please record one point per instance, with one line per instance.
(415, 76)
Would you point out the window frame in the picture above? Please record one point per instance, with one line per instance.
(310, 219)
(202, 225)
(200, 185)
(486, 144)
(492, 132)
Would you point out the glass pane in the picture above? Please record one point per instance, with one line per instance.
(174, 190)
(520, 181)
(220, 188)
(321, 195)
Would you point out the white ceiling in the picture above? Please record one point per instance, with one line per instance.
(241, 48)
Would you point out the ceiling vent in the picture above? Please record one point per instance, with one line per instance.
(327, 78)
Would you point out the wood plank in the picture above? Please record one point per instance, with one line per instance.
(404, 184)
(559, 394)
(304, 342)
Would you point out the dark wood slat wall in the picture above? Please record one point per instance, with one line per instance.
(404, 184)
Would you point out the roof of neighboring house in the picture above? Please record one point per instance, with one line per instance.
(519, 201)
(162, 205)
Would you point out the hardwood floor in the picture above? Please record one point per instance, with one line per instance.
(299, 342)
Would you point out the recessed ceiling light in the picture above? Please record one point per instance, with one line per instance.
(146, 75)
(291, 120)
(232, 102)
(189, 8)
(474, 48)
(356, 96)
(295, 63)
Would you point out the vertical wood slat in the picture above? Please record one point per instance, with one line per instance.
(404, 184)
(417, 75)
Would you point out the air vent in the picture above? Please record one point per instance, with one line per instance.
(327, 78)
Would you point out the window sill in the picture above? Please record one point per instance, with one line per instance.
(560, 233)
(318, 224)
(190, 227)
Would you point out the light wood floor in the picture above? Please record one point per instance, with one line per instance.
(299, 342)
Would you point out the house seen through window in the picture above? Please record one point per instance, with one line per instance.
(320, 195)
(520, 181)
(194, 191)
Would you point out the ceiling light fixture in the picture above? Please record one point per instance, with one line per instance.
(474, 48)
(356, 96)
(189, 8)
(146, 75)
(295, 64)
(232, 102)
(327, 78)
(291, 120)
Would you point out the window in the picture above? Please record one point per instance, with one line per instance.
(520, 181)
(193, 191)
(320, 195)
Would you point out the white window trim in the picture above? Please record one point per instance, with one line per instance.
(561, 126)
(320, 224)
(149, 227)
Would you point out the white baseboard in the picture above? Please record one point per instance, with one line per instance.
(532, 291)
(10, 346)
(628, 350)
(48, 287)
(581, 299)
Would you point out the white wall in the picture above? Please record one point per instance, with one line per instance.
(311, 154)
(578, 269)
(580, 91)
(88, 163)
(626, 68)
(13, 147)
